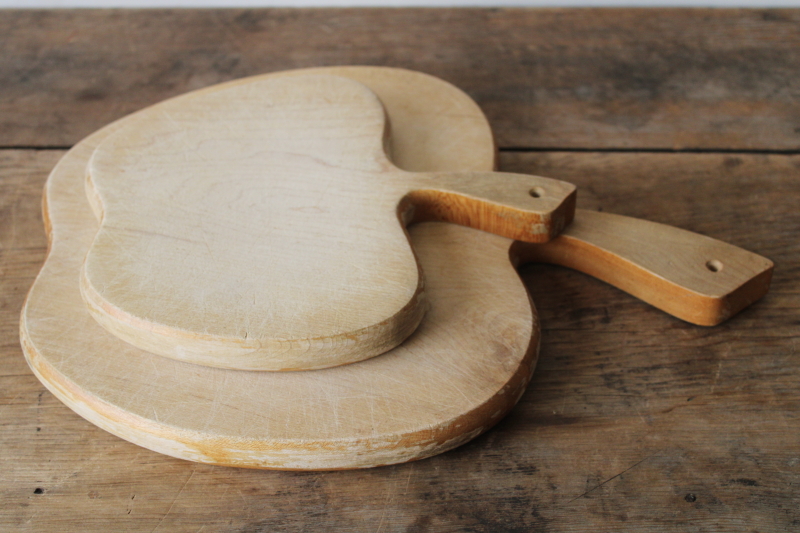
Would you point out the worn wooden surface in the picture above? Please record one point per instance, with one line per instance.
(629, 78)
(634, 420)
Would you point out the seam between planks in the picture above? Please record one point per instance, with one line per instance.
(515, 149)
(518, 149)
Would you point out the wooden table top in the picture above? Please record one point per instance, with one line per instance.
(634, 420)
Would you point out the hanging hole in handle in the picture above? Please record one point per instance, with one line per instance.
(714, 265)
(536, 192)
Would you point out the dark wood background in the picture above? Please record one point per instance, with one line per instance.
(635, 421)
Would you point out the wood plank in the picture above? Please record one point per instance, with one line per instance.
(547, 78)
(23, 243)
(634, 420)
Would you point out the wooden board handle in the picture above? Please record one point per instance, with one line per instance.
(518, 206)
(693, 277)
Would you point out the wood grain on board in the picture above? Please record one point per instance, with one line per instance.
(461, 371)
(260, 225)
(693, 277)
(704, 79)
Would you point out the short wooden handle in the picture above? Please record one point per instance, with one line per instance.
(517, 206)
(693, 277)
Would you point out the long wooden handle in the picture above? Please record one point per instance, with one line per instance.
(693, 277)
(518, 206)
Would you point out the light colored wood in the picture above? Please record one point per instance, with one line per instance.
(460, 372)
(693, 277)
(255, 226)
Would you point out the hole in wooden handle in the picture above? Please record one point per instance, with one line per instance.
(714, 265)
(536, 192)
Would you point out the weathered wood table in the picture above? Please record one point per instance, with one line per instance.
(634, 421)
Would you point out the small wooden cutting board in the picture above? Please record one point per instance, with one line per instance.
(261, 226)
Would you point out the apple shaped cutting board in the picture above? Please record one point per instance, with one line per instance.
(460, 372)
(261, 226)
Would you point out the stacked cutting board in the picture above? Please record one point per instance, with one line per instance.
(257, 274)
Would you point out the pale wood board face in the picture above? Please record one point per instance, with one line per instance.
(461, 371)
(255, 226)
(234, 216)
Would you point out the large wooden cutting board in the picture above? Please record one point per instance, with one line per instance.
(462, 370)
(459, 373)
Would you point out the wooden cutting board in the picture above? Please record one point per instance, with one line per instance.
(260, 226)
(460, 372)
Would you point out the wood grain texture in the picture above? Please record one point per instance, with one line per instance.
(600, 78)
(630, 416)
(260, 226)
(479, 341)
(462, 370)
(634, 421)
(127, 397)
(693, 277)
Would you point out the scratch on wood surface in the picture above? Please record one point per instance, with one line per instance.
(383, 513)
(14, 221)
(79, 468)
(611, 478)
(716, 377)
(408, 480)
(391, 496)
(34, 515)
(247, 508)
(10, 402)
(171, 505)
(640, 415)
